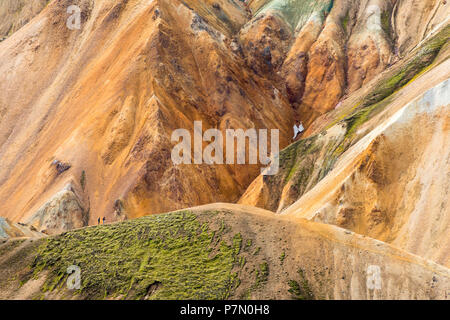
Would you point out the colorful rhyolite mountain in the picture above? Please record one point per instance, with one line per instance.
(358, 210)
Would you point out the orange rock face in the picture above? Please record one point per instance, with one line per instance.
(104, 99)
(325, 82)
(265, 43)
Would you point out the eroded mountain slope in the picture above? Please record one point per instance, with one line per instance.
(97, 105)
(382, 170)
(393, 185)
(14, 14)
(325, 50)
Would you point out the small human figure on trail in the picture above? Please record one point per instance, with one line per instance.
(104, 220)
(98, 221)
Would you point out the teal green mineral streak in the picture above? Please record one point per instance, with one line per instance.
(296, 12)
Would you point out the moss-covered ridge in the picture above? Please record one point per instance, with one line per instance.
(169, 256)
(218, 251)
(212, 252)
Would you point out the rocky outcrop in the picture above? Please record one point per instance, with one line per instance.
(325, 82)
(370, 45)
(295, 66)
(10, 230)
(414, 21)
(265, 43)
(63, 212)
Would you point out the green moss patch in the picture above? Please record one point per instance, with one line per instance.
(386, 24)
(414, 67)
(262, 274)
(9, 246)
(169, 256)
(83, 180)
(302, 290)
